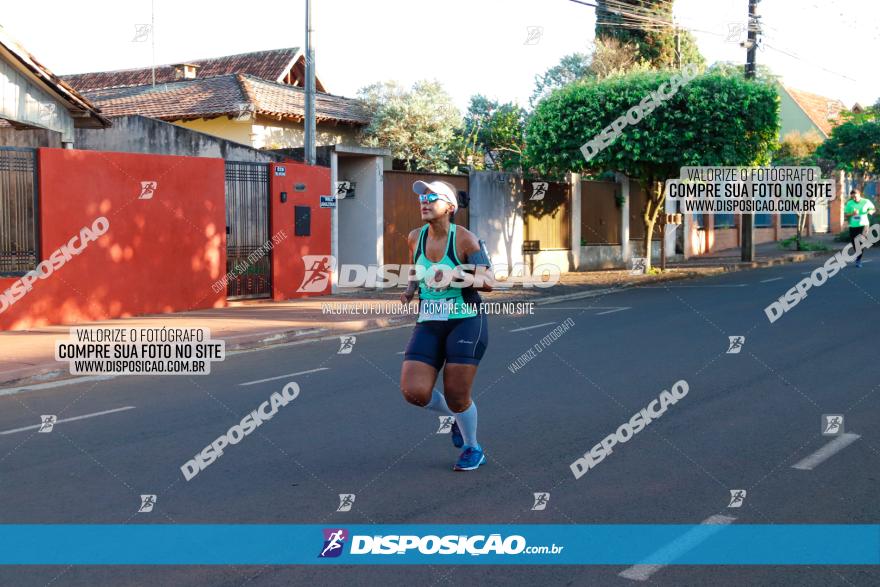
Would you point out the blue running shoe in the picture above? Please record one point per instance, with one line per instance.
(457, 438)
(470, 459)
(859, 264)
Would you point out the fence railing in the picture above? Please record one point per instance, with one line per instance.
(19, 224)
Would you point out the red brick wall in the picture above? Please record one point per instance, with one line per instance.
(725, 238)
(765, 235)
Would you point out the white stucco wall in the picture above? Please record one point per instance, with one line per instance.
(496, 214)
(361, 223)
(263, 133)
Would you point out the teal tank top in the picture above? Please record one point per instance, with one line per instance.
(438, 300)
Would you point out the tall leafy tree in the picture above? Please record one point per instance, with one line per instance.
(570, 68)
(417, 124)
(608, 57)
(613, 57)
(798, 149)
(491, 136)
(855, 148)
(649, 26)
(712, 120)
(762, 72)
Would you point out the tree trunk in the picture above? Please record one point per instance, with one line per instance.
(859, 179)
(649, 230)
(797, 235)
(801, 225)
(654, 203)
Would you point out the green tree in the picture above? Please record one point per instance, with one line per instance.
(712, 120)
(860, 114)
(416, 124)
(762, 72)
(649, 26)
(492, 135)
(608, 57)
(854, 148)
(797, 149)
(613, 57)
(569, 69)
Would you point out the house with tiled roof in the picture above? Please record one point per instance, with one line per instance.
(34, 98)
(286, 66)
(256, 99)
(799, 112)
(803, 112)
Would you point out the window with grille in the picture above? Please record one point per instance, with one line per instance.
(19, 243)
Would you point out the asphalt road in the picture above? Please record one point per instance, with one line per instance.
(748, 418)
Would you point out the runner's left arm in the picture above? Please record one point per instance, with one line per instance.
(474, 252)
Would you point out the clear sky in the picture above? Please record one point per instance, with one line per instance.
(829, 47)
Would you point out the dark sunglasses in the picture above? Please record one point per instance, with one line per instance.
(428, 198)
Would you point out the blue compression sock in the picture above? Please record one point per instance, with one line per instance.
(467, 422)
(438, 404)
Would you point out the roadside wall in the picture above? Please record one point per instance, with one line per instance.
(304, 185)
(163, 249)
(137, 134)
(496, 214)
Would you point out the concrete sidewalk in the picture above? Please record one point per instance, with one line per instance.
(765, 253)
(28, 357)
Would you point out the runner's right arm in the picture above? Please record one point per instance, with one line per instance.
(407, 296)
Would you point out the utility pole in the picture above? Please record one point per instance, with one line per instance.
(309, 119)
(751, 45)
(677, 45)
(153, 36)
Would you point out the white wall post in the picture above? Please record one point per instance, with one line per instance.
(625, 251)
(575, 221)
(334, 219)
(686, 220)
(380, 210)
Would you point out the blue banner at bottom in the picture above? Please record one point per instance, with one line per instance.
(523, 544)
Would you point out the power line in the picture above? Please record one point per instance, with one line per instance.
(628, 10)
(662, 4)
(631, 26)
(810, 63)
(632, 14)
(644, 22)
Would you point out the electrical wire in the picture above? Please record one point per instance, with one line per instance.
(642, 18)
(810, 63)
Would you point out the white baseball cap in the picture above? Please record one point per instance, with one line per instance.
(441, 188)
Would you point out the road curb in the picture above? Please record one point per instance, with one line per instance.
(299, 336)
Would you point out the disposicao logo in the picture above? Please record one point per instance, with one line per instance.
(334, 541)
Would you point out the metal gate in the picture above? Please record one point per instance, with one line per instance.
(19, 213)
(401, 209)
(548, 219)
(248, 261)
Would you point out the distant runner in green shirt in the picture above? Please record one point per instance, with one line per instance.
(858, 209)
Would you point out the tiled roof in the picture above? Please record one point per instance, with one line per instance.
(87, 115)
(227, 95)
(823, 112)
(270, 65)
(279, 99)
